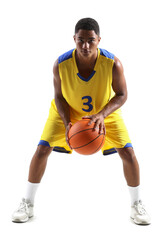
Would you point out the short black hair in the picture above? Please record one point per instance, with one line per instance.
(87, 24)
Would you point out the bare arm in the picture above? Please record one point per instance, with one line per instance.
(120, 89)
(61, 103)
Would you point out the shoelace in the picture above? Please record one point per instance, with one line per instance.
(23, 207)
(140, 208)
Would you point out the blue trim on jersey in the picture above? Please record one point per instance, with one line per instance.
(65, 56)
(107, 54)
(44, 143)
(128, 145)
(113, 150)
(86, 79)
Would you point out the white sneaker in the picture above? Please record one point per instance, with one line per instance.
(23, 213)
(139, 214)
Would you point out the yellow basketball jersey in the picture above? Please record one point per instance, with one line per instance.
(86, 96)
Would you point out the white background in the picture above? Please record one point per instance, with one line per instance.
(81, 197)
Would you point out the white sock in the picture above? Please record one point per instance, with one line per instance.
(31, 191)
(134, 194)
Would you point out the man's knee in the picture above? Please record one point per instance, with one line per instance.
(43, 151)
(127, 154)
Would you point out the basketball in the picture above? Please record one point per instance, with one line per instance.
(83, 139)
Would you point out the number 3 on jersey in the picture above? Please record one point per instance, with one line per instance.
(88, 104)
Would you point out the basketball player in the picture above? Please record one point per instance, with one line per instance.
(89, 82)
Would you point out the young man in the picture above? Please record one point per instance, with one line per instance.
(89, 83)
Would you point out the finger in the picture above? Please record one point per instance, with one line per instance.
(100, 129)
(90, 122)
(70, 146)
(104, 129)
(67, 134)
(67, 129)
(86, 117)
(67, 140)
(70, 125)
(97, 125)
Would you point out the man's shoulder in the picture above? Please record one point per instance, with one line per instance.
(106, 53)
(65, 56)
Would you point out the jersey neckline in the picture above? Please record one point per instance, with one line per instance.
(94, 70)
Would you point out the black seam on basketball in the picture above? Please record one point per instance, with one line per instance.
(88, 142)
(99, 146)
(80, 132)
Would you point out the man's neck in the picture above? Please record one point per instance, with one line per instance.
(86, 62)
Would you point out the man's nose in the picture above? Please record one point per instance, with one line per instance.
(85, 45)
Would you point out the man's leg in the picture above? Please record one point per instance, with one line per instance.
(131, 172)
(38, 163)
(36, 171)
(132, 175)
(130, 166)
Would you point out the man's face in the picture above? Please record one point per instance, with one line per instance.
(86, 42)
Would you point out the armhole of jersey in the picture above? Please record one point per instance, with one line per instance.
(63, 58)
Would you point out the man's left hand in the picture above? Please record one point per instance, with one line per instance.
(98, 119)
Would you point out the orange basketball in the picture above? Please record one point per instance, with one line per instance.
(83, 139)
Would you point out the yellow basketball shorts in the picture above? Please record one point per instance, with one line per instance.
(54, 133)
